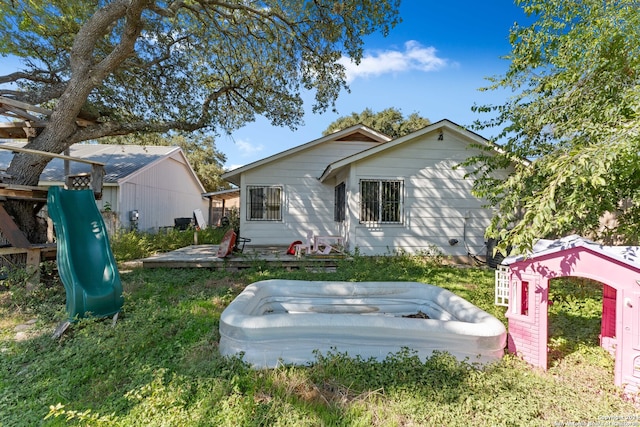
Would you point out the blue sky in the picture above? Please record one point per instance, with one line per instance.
(433, 63)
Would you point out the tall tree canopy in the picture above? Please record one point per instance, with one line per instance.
(389, 121)
(575, 75)
(158, 65)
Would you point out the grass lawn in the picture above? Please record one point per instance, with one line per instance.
(160, 366)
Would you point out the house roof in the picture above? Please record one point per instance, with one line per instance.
(121, 161)
(357, 132)
(334, 167)
(629, 255)
(223, 194)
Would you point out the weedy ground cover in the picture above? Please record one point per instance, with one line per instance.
(159, 365)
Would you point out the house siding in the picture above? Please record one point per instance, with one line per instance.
(307, 203)
(438, 205)
(154, 194)
(109, 198)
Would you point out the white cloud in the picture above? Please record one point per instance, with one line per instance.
(247, 149)
(414, 57)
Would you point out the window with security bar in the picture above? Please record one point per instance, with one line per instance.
(381, 201)
(264, 203)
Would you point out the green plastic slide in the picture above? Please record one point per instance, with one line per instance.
(85, 262)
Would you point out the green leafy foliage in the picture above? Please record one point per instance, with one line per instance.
(132, 245)
(575, 316)
(575, 115)
(390, 122)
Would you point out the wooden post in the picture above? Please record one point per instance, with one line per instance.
(97, 176)
(33, 268)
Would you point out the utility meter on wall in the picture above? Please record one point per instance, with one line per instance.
(134, 216)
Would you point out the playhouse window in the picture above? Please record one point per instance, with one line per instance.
(339, 208)
(521, 298)
(381, 201)
(264, 203)
(502, 285)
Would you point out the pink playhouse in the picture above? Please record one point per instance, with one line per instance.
(522, 284)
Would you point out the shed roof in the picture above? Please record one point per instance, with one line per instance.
(120, 160)
(629, 255)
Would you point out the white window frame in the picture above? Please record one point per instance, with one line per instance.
(502, 285)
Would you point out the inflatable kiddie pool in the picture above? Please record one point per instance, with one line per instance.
(275, 322)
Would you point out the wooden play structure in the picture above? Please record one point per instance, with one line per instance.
(25, 122)
(522, 284)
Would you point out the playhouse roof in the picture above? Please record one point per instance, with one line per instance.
(629, 255)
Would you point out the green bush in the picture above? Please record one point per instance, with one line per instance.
(130, 245)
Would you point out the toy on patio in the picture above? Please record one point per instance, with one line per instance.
(318, 245)
(522, 283)
(230, 243)
(86, 264)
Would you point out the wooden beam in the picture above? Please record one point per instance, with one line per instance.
(23, 124)
(45, 248)
(25, 106)
(33, 266)
(97, 178)
(19, 112)
(13, 133)
(47, 154)
(11, 232)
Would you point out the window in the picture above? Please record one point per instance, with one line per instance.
(381, 201)
(339, 208)
(521, 298)
(502, 285)
(264, 203)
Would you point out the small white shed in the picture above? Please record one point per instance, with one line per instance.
(157, 182)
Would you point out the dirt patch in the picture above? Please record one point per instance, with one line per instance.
(225, 282)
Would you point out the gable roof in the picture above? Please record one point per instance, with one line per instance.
(121, 161)
(629, 255)
(353, 133)
(334, 167)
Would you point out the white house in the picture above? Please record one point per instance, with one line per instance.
(157, 182)
(380, 195)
